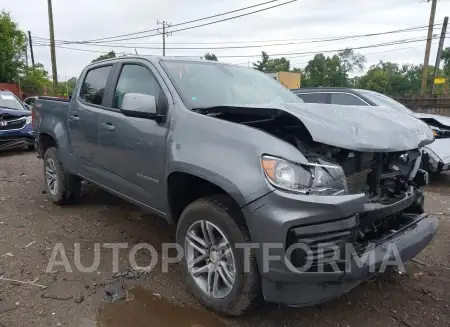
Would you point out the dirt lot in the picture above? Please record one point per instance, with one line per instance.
(30, 227)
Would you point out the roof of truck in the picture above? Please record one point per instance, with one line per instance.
(155, 59)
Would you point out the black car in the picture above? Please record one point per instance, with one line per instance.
(436, 156)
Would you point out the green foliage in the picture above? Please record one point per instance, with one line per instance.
(389, 78)
(272, 65)
(261, 64)
(210, 56)
(12, 49)
(351, 61)
(324, 71)
(446, 59)
(34, 79)
(266, 64)
(332, 71)
(108, 55)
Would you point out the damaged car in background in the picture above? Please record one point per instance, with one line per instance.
(231, 157)
(436, 156)
(15, 123)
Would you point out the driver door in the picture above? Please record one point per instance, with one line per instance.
(132, 150)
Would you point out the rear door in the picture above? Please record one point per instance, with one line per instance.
(83, 118)
(132, 150)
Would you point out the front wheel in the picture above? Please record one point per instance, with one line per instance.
(214, 268)
(61, 187)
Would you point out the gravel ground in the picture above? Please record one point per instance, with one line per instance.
(30, 226)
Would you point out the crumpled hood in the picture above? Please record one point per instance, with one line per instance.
(361, 128)
(12, 112)
(444, 120)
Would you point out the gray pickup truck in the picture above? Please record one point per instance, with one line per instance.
(255, 180)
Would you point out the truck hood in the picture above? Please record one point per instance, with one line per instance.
(442, 120)
(361, 128)
(358, 128)
(4, 112)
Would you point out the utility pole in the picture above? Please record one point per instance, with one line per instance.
(439, 52)
(31, 48)
(426, 60)
(52, 45)
(164, 32)
(26, 56)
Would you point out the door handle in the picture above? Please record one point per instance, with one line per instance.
(74, 118)
(108, 126)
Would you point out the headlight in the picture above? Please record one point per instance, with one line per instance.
(321, 177)
(436, 131)
(28, 119)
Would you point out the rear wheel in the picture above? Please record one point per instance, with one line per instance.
(213, 267)
(61, 187)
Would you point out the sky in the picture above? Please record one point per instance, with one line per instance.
(298, 23)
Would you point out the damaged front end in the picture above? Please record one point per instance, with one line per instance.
(354, 184)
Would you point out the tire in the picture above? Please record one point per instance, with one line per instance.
(68, 186)
(222, 212)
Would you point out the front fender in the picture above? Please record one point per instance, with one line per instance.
(224, 153)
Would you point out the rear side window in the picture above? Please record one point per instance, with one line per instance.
(94, 85)
(346, 99)
(313, 97)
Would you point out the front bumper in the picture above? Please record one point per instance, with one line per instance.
(10, 139)
(326, 220)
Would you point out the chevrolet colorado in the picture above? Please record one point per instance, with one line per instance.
(234, 159)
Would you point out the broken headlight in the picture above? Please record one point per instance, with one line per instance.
(320, 177)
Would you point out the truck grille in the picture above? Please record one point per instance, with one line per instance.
(15, 123)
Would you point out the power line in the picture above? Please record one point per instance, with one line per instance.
(295, 54)
(76, 49)
(327, 51)
(410, 29)
(179, 24)
(134, 44)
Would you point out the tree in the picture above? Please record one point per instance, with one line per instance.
(389, 78)
(210, 56)
(324, 71)
(261, 64)
(446, 59)
(34, 79)
(351, 61)
(71, 83)
(12, 48)
(108, 55)
(272, 65)
(278, 65)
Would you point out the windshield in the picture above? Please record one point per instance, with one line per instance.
(385, 101)
(9, 101)
(203, 85)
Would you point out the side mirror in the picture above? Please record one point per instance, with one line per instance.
(139, 105)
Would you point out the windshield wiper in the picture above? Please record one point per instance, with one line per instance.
(243, 110)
